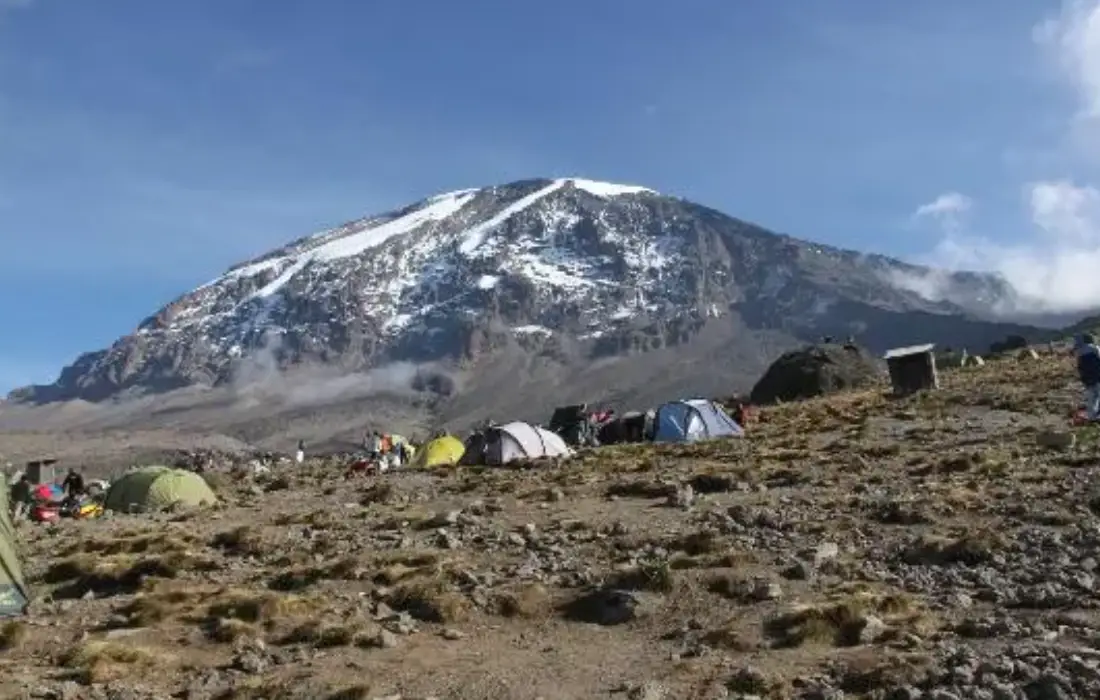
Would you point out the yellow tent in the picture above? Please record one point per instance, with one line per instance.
(442, 452)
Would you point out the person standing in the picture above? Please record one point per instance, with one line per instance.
(301, 456)
(73, 484)
(21, 497)
(1088, 371)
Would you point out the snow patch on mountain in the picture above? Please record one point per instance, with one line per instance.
(473, 239)
(607, 189)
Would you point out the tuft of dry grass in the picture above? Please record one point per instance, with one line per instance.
(970, 549)
(528, 601)
(728, 637)
(355, 692)
(242, 541)
(345, 569)
(655, 576)
(430, 599)
(102, 661)
(160, 601)
(259, 608)
(135, 543)
(399, 565)
(227, 630)
(639, 488)
(842, 621)
(117, 573)
(697, 543)
(322, 635)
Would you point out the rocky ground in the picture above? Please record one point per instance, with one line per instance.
(943, 546)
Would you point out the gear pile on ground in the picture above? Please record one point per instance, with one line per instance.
(817, 370)
(849, 546)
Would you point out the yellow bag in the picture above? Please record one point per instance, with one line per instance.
(89, 510)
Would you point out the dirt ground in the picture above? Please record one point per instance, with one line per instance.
(940, 546)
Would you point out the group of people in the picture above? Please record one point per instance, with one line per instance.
(383, 449)
(381, 453)
(22, 496)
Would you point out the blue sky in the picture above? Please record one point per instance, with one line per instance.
(147, 146)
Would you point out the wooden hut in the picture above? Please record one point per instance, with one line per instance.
(41, 471)
(912, 369)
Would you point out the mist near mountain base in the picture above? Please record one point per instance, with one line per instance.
(1051, 271)
(259, 380)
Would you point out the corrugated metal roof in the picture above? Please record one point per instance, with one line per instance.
(911, 350)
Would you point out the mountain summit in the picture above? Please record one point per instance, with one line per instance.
(570, 285)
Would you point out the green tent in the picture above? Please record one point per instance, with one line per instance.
(14, 595)
(156, 488)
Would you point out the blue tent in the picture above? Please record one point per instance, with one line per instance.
(690, 420)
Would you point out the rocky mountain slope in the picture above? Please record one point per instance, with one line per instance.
(545, 278)
(848, 547)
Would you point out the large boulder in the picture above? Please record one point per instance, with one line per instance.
(816, 370)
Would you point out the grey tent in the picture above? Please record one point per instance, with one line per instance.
(14, 595)
(690, 420)
(506, 443)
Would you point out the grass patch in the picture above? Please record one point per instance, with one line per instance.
(970, 549)
(640, 489)
(321, 635)
(346, 569)
(429, 599)
(260, 608)
(134, 543)
(242, 541)
(102, 661)
(528, 601)
(843, 620)
(117, 573)
(655, 576)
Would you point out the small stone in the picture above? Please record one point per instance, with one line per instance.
(452, 635)
(683, 497)
(386, 639)
(446, 519)
(873, 628)
(650, 690)
(826, 551)
(766, 590)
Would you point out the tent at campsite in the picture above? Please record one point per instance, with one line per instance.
(14, 594)
(156, 488)
(689, 420)
(444, 451)
(501, 444)
(473, 449)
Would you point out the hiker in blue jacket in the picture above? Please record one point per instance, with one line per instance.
(1088, 369)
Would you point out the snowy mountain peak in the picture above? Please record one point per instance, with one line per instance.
(562, 268)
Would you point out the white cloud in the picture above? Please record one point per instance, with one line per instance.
(1073, 40)
(1057, 268)
(1067, 214)
(1055, 271)
(948, 209)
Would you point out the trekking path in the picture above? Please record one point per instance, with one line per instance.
(851, 543)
